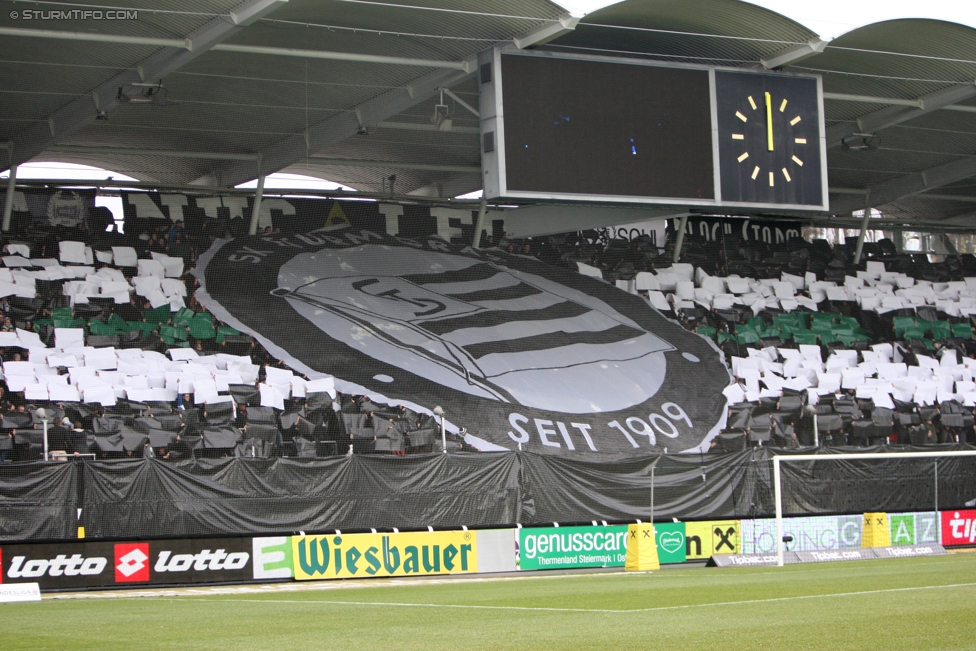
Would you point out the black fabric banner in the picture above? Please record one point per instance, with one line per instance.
(522, 354)
(38, 501)
(211, 497)
(738, 229)
(235, 496)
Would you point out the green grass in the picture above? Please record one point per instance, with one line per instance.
(909, 604)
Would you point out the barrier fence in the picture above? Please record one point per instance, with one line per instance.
(83, 564)
(144, 499)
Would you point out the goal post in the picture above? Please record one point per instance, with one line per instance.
(791, 458)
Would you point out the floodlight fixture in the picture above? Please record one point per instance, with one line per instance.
(138, 93)
(859, 142)
(441, 118)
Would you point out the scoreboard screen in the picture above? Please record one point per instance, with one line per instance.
(558, 127)
(586, 127)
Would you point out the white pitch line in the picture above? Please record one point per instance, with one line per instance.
(594, 610)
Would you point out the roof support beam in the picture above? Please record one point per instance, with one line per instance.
(561, 26)
(184, 43)
(8, 204)
(381, 164)
(84, 110)
(164, 153)
(446, 188)
(794, 54)
(189, 44)
(892, 115)
(894, 101)
(347, 124)
(944, 197)
(447, 91)
(908, 185)
(417, 126)
(924, 195)
(343, 56)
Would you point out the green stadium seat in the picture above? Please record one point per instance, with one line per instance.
(805, 337)
(158, 315)
(962, 331)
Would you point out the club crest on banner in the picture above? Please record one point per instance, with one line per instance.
(519, 353)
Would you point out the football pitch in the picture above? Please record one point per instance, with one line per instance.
(909, 604)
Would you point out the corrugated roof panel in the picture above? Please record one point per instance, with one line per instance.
(688, 29)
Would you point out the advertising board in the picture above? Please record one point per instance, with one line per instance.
(556, 547)
(89, 564)
(368, 555)
(958, 528)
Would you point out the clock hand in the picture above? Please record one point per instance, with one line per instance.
(769, 120)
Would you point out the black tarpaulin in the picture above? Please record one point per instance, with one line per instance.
(159, 438)
(38, 500)
(224, 437)
(152, 498)
(111, 443)
(134, 441)
(245, 394)
(144, 498)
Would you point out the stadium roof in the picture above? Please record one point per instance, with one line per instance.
(214, 92)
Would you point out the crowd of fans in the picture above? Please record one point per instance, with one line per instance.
(806, 330)
(804, 356)
(317, 424)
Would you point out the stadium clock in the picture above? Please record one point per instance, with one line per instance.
(769, 138)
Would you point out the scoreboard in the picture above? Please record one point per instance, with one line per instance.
(599, 129)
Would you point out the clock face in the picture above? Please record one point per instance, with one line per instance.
(769, 139)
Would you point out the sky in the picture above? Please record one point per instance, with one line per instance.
(831, 18)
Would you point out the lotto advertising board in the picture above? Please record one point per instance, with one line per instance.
(79, 565)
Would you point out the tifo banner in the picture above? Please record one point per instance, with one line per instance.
(717, 229)
(558, 547)
(146, 211)
(73, 565)
(958, 528)
(655, 229)
(523, 354)
(399, 554)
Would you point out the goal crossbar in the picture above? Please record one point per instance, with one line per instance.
(777, 483)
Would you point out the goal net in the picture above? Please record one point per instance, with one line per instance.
(821, 499)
